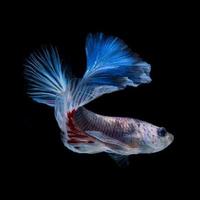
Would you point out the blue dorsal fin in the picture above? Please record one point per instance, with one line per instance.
(111, 62)
(111, 66)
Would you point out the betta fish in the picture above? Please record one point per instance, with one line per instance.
(111, 66)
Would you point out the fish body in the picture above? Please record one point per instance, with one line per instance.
(111, 66)
(119, 135)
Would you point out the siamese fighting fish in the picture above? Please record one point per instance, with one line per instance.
(110, 66)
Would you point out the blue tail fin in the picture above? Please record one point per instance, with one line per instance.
(46, 78)
(111, 66)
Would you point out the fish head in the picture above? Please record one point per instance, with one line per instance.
(155, 138)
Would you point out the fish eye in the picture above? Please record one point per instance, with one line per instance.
(162, 132)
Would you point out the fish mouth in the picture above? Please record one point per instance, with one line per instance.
(167, 141)
(170, 138)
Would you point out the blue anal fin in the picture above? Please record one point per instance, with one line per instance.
(121, 160)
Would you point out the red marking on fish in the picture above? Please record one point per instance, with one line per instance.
(75, 134)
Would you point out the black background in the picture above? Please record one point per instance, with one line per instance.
(37, 156)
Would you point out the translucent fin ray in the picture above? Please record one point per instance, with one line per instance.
(46, 78)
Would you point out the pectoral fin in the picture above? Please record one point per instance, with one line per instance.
(103, 138)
